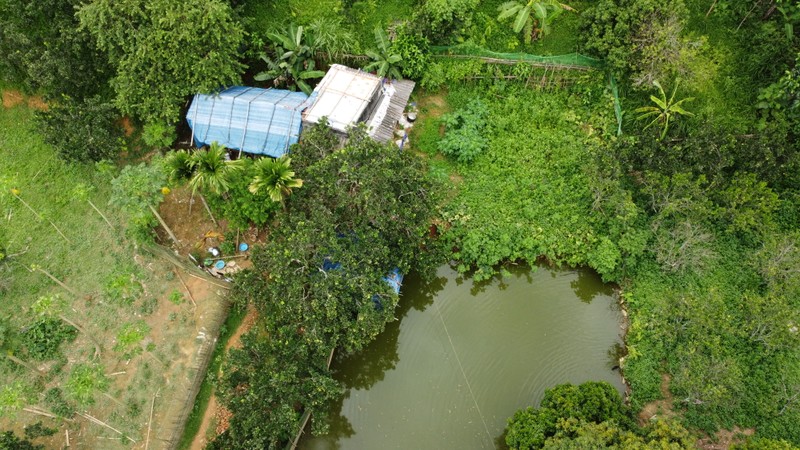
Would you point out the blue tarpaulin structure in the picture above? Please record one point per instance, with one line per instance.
(254, 120)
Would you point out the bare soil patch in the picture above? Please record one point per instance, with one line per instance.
(723, 439)
(658, 408)
(12, 98)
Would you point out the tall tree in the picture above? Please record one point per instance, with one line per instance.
(165, 50)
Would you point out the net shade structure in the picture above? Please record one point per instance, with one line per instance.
(253, 120)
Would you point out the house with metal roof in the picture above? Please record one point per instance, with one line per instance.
(348, 96)
(253, 120)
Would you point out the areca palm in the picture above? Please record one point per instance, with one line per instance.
(211, 170)
(665, 109)
(532, 16)
(275, 177)
(179, 166)
(384, 62)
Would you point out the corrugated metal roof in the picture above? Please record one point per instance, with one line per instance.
(254, 120)
(342, 96)
(385, 120)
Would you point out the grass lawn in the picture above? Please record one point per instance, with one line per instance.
(137, 331)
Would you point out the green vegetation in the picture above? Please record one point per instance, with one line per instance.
(232, 323)
(318, 284)
(590, 415)
(178, 48)
(696, 219)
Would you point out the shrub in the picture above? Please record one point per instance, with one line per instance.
(640, 38)
(82, 131)
(413, 49)
(442, 18)
(44, 337)
(129, 336)
(38, 430)
(593, 401)
(54, 399)
(466, 132)
(84, 381)
(240, 206)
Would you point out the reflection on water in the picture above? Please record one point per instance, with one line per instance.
(476, 355)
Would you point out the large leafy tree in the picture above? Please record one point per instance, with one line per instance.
(639, 39)
(42, 49)
(165, 50)
(319, 284)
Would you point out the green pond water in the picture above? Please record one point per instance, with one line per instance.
(463, 357)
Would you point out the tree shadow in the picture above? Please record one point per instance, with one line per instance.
(588, 285)
(369, 366)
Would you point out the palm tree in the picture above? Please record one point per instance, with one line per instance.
(211, 170)
(179, 166)
(532, 16)
(275, 177)
(293, 62)
(384, 62)
(665, 108)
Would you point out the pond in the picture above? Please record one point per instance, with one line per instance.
(463, 357)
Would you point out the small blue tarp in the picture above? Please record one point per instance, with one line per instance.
(254, 120)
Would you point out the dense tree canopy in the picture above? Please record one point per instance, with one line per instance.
(362, 211)
(164, 50)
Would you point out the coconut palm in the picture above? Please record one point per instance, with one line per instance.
(275, 177)
(532, 16)
(665, 108)
(384, 62)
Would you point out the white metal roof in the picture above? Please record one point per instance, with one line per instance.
(342, 96)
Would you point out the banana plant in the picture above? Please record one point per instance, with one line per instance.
(664, 110)
(385, 62)
(292, 62)
(532, 17)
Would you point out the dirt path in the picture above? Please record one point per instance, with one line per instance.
(213, 408)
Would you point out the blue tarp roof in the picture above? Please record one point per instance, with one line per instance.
(254, 120)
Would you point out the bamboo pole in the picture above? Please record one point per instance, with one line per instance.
(191, 297)
(150, 421)
(58, 282)
(101, 214)
(164, 225)
(40, 217)
(25, 364)
(97, 351)
(208, 210)
(103, 424)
